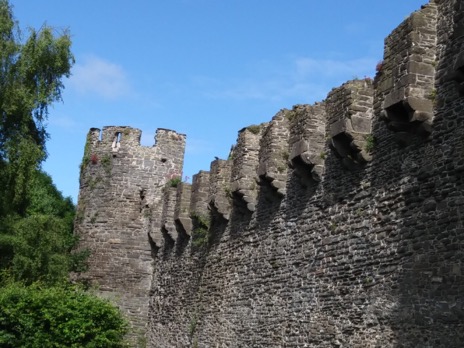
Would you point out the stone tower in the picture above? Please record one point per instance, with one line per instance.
(119, 212)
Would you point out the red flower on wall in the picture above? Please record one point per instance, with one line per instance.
(94, 158)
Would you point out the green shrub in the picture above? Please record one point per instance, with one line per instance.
(370, 143)
(174, 181)
(200, 234)
(34, 316)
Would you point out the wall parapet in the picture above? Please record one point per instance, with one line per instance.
(182, 211)
(307, 140)
(220, 187)
(244, 177)
(349, 115)
(343, 215)
(273, 154)
(405, 79)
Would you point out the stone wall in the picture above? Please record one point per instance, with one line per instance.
(335, 225)
(120, 210)
(406, 75)
(307, 141)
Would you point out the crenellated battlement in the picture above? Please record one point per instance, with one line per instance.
(220, 187)
(273, 152)
(349, 111)
(334, 224)
(166, 143)
(307, 140)
(405, 78)
(245, 157)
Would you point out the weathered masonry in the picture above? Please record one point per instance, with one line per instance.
(337, 224)
(120, 209)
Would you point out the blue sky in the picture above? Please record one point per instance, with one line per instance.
(206, 68)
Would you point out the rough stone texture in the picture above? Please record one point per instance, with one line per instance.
(406, 75)
(349, 120)
(273, 156)
(200, 193)
(307, 140)
(182, 211)
(244, 177)
(169, 206)
(369, 257)
(221, 193)
(452, 29)
(120, 204)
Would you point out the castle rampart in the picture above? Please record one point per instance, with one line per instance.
(273, 156)
(244, 175)
(406, 75)
(336, 224)
(349, 121)
(307, 140)
(220, 191)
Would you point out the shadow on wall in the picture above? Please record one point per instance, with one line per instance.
(430, 310)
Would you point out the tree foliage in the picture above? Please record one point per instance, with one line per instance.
(36, 221)
(38, 246)
(31, 76)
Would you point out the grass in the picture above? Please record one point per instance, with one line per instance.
(255, 129)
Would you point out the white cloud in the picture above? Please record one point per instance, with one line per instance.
(303, 77)
(100, 77)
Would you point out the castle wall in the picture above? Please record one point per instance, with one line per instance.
(274, 156)
(336, 224)
(307, 141)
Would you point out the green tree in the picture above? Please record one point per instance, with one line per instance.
(31, 76)
(35, 220)
(38, 246)
(38, 307)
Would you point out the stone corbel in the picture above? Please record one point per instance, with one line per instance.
(407, 113)
(301, 156)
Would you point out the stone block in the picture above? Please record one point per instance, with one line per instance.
(417, 68)
(338, 127)
(361, 125)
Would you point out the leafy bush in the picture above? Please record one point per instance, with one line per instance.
(33, 316)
